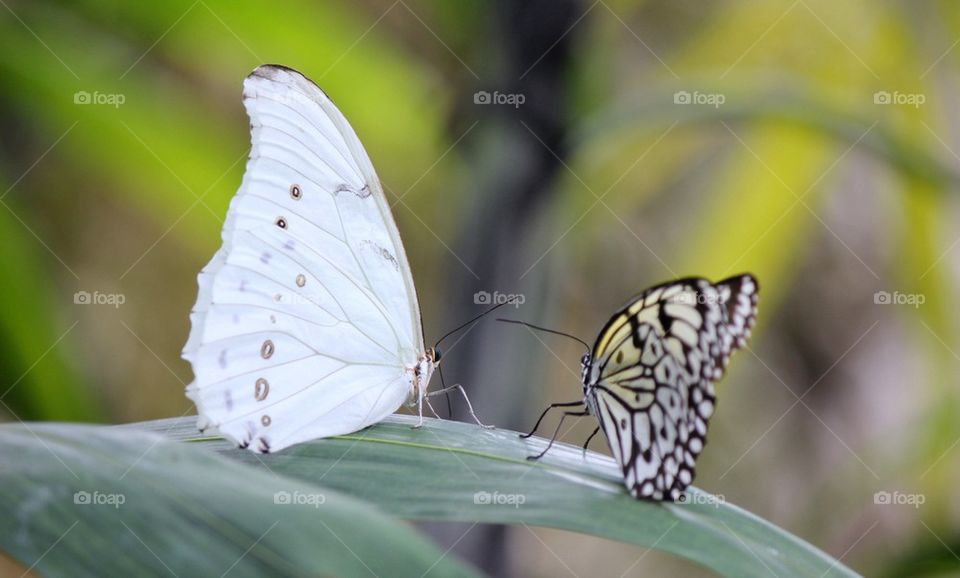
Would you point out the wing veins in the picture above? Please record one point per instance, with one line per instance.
(351, 161)
(366, 291)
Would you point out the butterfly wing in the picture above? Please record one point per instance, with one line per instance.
(650, 381)
(307, 322)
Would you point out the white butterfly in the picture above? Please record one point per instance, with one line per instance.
(307, 323)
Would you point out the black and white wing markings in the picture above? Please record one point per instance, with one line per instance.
(307, 320)
(652, 373)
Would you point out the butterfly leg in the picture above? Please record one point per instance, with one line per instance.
(465, 398)
(587, 443)
(446, 391)
(556, 432)
(419, 423)
(546, 411)
(430, 407)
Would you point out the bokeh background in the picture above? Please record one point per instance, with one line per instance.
(625, 143)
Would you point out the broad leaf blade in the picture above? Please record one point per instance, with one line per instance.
(185, 511)
(449, 471)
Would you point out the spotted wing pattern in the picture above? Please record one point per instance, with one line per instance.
(307, 323)
(651, 375)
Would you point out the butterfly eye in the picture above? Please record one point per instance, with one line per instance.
(436, 354)
(295, 192)
(261, 389)
(281, 222)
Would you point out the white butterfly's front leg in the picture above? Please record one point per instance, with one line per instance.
(419, 410)
(421, 379)
(467, 399)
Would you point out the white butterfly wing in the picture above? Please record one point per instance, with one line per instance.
(307, 322)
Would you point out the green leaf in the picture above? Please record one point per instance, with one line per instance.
(95, 501)
(447, 470)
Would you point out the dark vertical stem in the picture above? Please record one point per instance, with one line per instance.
(515, 174)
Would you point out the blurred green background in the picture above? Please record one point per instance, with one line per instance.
(812, 143)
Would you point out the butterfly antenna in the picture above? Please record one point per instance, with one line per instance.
(488, 311)
(538, 328)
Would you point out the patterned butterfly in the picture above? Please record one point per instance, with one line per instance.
(649, 377)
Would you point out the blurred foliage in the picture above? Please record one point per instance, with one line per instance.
(799, 176)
